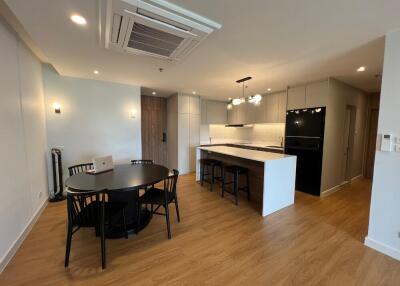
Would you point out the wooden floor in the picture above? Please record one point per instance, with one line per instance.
(315, 242)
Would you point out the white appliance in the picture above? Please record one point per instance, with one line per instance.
(103, 164)
(152, 27)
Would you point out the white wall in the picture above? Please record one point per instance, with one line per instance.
(94, 120)
(384, 223)
(23, 142)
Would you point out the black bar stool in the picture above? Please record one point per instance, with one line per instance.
(205, 165)
(236, 171)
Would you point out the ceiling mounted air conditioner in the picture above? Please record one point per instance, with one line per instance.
(154, 28)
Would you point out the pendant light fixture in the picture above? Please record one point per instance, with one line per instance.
(255, 99)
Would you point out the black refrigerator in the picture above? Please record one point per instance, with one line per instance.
(304, 138)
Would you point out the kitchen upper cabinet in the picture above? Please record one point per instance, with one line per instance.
(258, 112)
(232, 114)
(240, 114)
(214, 112)
(281, 110)
(296, 98)
(271, 108)
(317, 94)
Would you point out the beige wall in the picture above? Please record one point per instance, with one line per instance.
(340, 95)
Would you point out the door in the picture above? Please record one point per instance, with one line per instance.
(348, 137)
(154, 129)
(371, 145)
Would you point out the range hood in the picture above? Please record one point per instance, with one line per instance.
(240, 125)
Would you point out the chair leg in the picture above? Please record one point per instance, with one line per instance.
(223, 184)
(248, 186)
(202, 174)
(68, 246)
(124, 222)
(177, 209)
(212, 177)
(139, 212)
(167, 219)
(236, 188)
(103, 240)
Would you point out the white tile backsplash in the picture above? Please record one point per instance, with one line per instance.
(263, 134)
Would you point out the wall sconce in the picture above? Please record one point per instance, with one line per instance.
(132, 113)
(57, 107)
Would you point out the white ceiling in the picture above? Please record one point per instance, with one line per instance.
(277, 42)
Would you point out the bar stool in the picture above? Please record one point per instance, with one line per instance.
(205, 165)
(236, 171)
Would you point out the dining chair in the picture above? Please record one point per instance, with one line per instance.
(161, 198)
(142, 162)
(91, 210)
(80, 168)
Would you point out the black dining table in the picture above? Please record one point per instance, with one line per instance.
(122, 185)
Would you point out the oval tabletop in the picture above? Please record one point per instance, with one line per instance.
(123, 177)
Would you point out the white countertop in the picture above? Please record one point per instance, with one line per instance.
(260, 156)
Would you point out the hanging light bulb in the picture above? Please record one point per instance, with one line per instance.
(236, 101)
(229, 106)
(255, 99)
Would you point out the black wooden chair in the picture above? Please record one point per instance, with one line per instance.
(162, 198)
(91, 210)
(80, 168)
(143, 162)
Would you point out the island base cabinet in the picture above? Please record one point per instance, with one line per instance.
(256, 177)
(271, 182)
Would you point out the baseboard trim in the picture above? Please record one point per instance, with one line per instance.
(20, 239)
(382, 247)
(341, 186)
(334, 189)
(356, 178)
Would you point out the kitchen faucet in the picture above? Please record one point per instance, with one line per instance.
(281, 138)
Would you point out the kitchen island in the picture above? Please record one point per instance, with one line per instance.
(272, 175)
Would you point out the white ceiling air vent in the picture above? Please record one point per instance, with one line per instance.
(153, 27)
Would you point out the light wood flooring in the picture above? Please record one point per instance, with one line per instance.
(318, 241)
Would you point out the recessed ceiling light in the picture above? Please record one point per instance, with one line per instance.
(154, 93)
(96, 72)
(269, 89)
(78, 19)
(193, 92)
(361, 69)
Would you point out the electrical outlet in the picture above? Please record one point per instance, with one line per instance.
(40, 194)
(398, 234)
